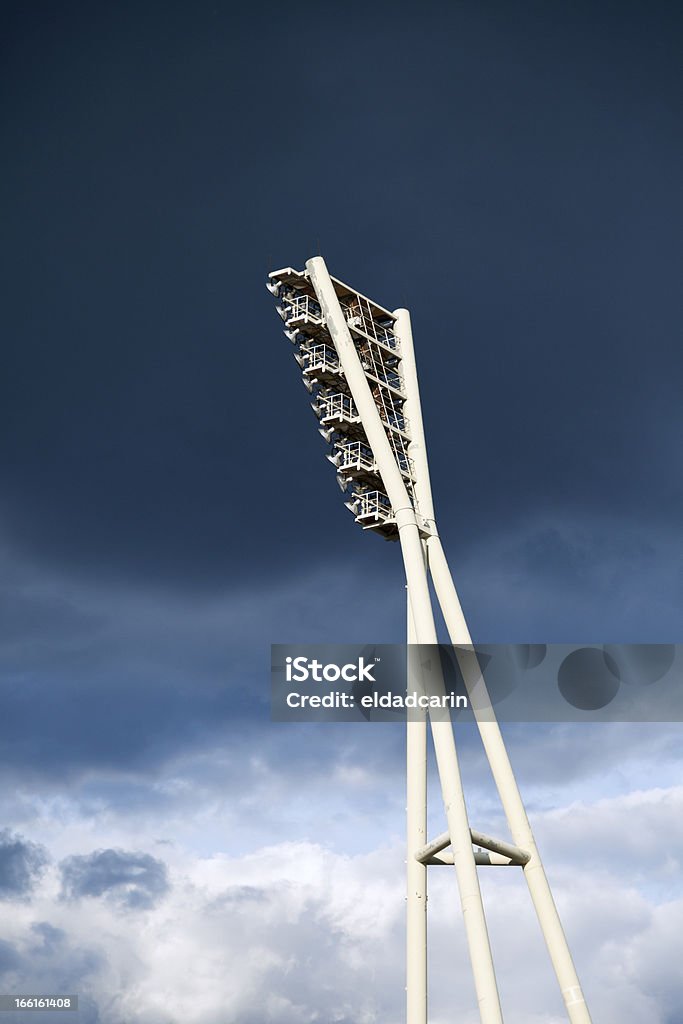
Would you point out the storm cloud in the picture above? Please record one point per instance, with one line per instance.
(21, 863)
(135, 880)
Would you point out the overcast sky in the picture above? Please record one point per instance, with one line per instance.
(511, 173)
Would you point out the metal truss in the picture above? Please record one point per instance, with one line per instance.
(358, 364)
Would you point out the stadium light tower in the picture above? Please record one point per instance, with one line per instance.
(358, 364)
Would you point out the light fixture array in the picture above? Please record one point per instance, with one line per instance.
(372, 330)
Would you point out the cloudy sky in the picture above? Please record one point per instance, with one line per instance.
(511, 173)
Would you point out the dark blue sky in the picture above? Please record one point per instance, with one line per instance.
(511, 173)
(166, 511)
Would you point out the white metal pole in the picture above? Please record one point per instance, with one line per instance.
(413, 414)
(411, 543)
(489, 730)
(511, 799)
(425, 632)
(416, 872)
(416, 918)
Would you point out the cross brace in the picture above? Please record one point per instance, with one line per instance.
(512, 854)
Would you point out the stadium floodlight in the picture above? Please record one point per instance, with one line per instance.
(358, 362)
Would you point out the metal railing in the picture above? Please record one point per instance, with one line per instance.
(359, 314)
(374, 361)
(405, 464)
(355, 455)
(392, 378)
(337, 407)
(392, 415)
(373, 505)
(319, 357)
(302, 307)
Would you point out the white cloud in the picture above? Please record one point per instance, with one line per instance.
(298, 931)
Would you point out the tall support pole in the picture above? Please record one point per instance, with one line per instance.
(425, 632)
(416, 872)
(489, 729)
(416, 785)
(511, 799)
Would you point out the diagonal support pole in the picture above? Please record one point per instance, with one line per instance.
(510, 797)
(425, 632)
(489, 730)
(416, 873)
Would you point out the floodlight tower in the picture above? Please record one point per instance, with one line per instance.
(358, 364)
